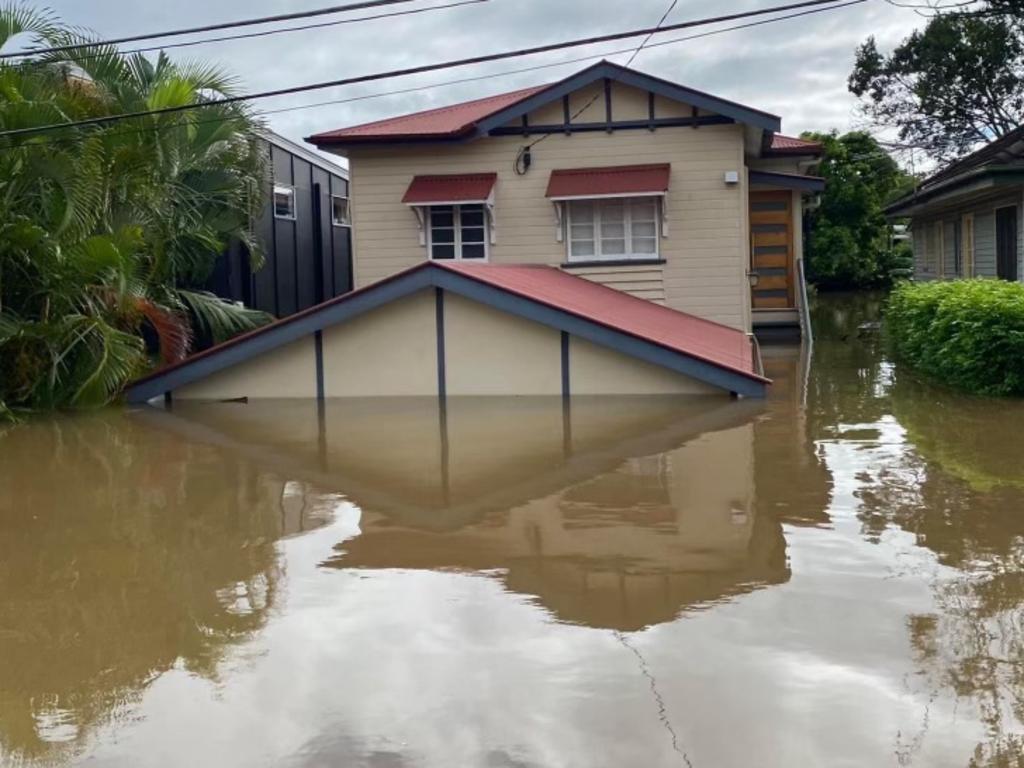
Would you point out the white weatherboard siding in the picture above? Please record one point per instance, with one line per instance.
(706, 246)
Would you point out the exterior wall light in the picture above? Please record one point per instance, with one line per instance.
(754, 277)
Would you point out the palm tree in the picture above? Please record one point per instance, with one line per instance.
(105, 232)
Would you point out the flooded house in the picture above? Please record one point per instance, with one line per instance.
(966, 218)
(612, 233)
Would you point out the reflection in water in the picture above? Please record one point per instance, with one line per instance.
(829, 578)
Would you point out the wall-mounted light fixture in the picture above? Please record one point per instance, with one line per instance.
(753, 277)
(732, 177)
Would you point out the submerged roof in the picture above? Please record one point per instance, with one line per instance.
(472, 118)
(710, 352)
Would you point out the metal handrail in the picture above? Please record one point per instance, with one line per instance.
(805, 309)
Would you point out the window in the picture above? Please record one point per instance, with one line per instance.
(340, 216)
(614, 229)
(284, 202)
(458, 232)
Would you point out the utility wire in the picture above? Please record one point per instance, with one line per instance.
(34, 130)
(213, 27)
(75, 59)
(458, 81)
(522, 162)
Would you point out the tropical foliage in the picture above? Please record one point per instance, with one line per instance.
(964, 333)
(849, 242)
(107, 230)
(955, 84)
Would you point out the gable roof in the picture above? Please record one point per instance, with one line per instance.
(791, 145)
(1001, 160)
(475, 118)
(707, 351)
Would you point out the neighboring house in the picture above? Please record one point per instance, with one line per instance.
(671, 194)
(306, 231)
(966, 220)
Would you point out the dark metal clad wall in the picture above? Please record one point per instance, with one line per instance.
(307, 260)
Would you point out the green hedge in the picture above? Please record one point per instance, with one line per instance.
(965, 333)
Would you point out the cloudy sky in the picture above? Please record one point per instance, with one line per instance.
(795, 68)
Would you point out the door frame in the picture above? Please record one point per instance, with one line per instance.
(791, 235)
(1016, 239)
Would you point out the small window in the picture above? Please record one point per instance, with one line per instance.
(340, 215)
(611, 230)
(458, 232)
(284, 202)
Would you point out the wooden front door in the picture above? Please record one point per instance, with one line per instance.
(1006, 243)
(771, 249)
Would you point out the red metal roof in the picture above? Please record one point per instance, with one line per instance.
(448, 121)
(451, 188)
(711, 342)
(614, 180)
(790, 145)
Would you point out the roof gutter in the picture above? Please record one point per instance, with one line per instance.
(999, 174)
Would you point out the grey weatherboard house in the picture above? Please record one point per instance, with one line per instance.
(966, 219)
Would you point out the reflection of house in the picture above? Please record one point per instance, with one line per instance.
(616, 176)
(614, 514)
(966, 219)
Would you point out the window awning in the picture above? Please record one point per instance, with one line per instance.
(451, 189)
(614, 181)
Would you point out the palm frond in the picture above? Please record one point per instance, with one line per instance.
(217, 320)
(113, 358)
(17, 19)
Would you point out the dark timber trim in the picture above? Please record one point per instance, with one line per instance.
(442, 374)
(606, 69)
(619, 125)
(788, 181)
(566, 116)
(318, 350)
(430, 275)
(611, 263)
(651, 125)
(608, 104)
(566, 389)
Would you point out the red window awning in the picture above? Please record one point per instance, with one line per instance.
(450, 189)
(614, 181)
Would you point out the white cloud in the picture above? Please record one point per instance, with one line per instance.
(796, 68)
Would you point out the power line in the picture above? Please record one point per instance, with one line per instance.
(212, 27)
(647, 39)
(522, 164)
(458, 81)
(249, 35)
(412, 70)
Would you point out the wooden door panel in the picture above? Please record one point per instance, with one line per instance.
(771, 244)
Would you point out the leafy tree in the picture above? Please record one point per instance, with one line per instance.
(104, 231)
(957, 83)
(849, 243)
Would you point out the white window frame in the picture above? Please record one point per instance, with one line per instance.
(348, 209)
(285, 189)
(627, 220)
(457, 225)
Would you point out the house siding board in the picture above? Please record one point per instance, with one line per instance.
(705, 251)
(646, 282)
(286, 372)
(928, 250)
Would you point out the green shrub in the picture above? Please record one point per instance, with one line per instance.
(968, 334)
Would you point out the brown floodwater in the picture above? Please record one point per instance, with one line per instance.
(834, 577)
